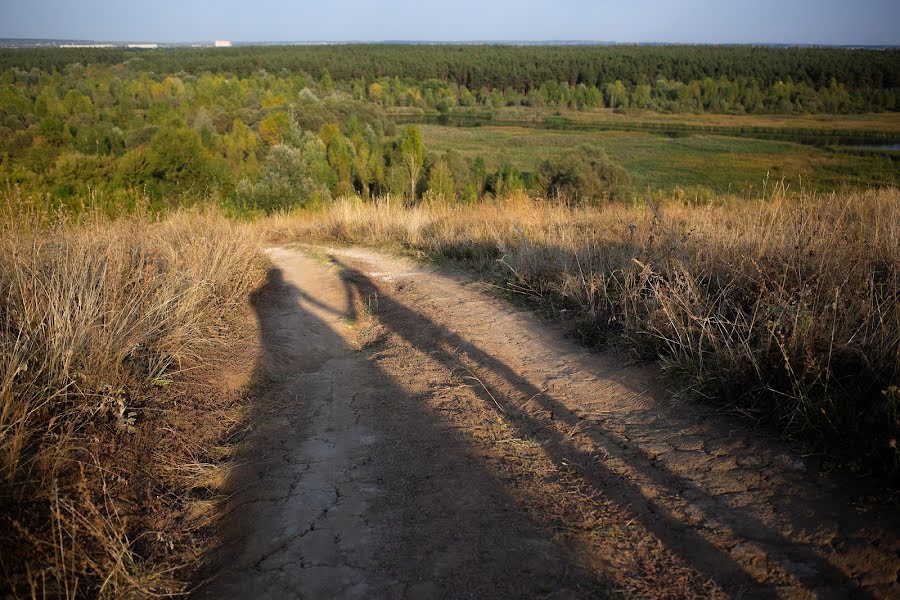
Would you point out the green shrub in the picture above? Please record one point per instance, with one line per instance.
(585, 175)
(174, 164)
(290, 177)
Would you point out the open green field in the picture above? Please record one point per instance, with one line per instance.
(656, 161)
(886, 122)
(815, 129)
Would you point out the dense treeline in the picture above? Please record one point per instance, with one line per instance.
(519, 67)
(724, 79)
(57, 59)
(707, 95)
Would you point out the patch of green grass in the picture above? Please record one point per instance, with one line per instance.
(867, 122)
(317, 254)
(660, 162)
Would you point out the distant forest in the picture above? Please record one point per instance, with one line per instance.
(865, 79)
(518, 67)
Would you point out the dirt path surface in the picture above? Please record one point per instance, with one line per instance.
(415, 437)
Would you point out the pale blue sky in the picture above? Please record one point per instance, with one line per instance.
(691, 21)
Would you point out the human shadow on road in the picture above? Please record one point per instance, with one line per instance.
(437, 524)
(679, 536)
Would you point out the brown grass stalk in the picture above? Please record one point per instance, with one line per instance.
(102, 324)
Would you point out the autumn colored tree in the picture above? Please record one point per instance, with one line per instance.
(275, 127)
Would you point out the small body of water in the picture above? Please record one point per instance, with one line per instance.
(861, 141)
(884, 147)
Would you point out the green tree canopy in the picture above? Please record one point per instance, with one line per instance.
(411, 152)
(440, 182)
(289, 177)
(584, 175)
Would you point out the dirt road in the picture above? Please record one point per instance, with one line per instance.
(415, 437)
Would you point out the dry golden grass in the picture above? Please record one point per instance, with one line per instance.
(111, 440)
(101, 326)
(785, 309)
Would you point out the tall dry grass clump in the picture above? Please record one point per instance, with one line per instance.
(100, 323)
(787, 309)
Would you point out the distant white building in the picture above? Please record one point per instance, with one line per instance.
(144, 46)
(222, 44)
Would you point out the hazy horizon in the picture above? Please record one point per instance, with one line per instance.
(448, 42)
(803, 22)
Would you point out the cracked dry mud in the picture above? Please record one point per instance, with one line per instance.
(414, 437)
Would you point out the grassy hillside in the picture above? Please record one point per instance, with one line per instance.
(786, 310)
(110, 430)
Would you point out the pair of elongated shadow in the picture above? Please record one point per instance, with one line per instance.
(298, 339)
(283, 319)
(677, 535)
